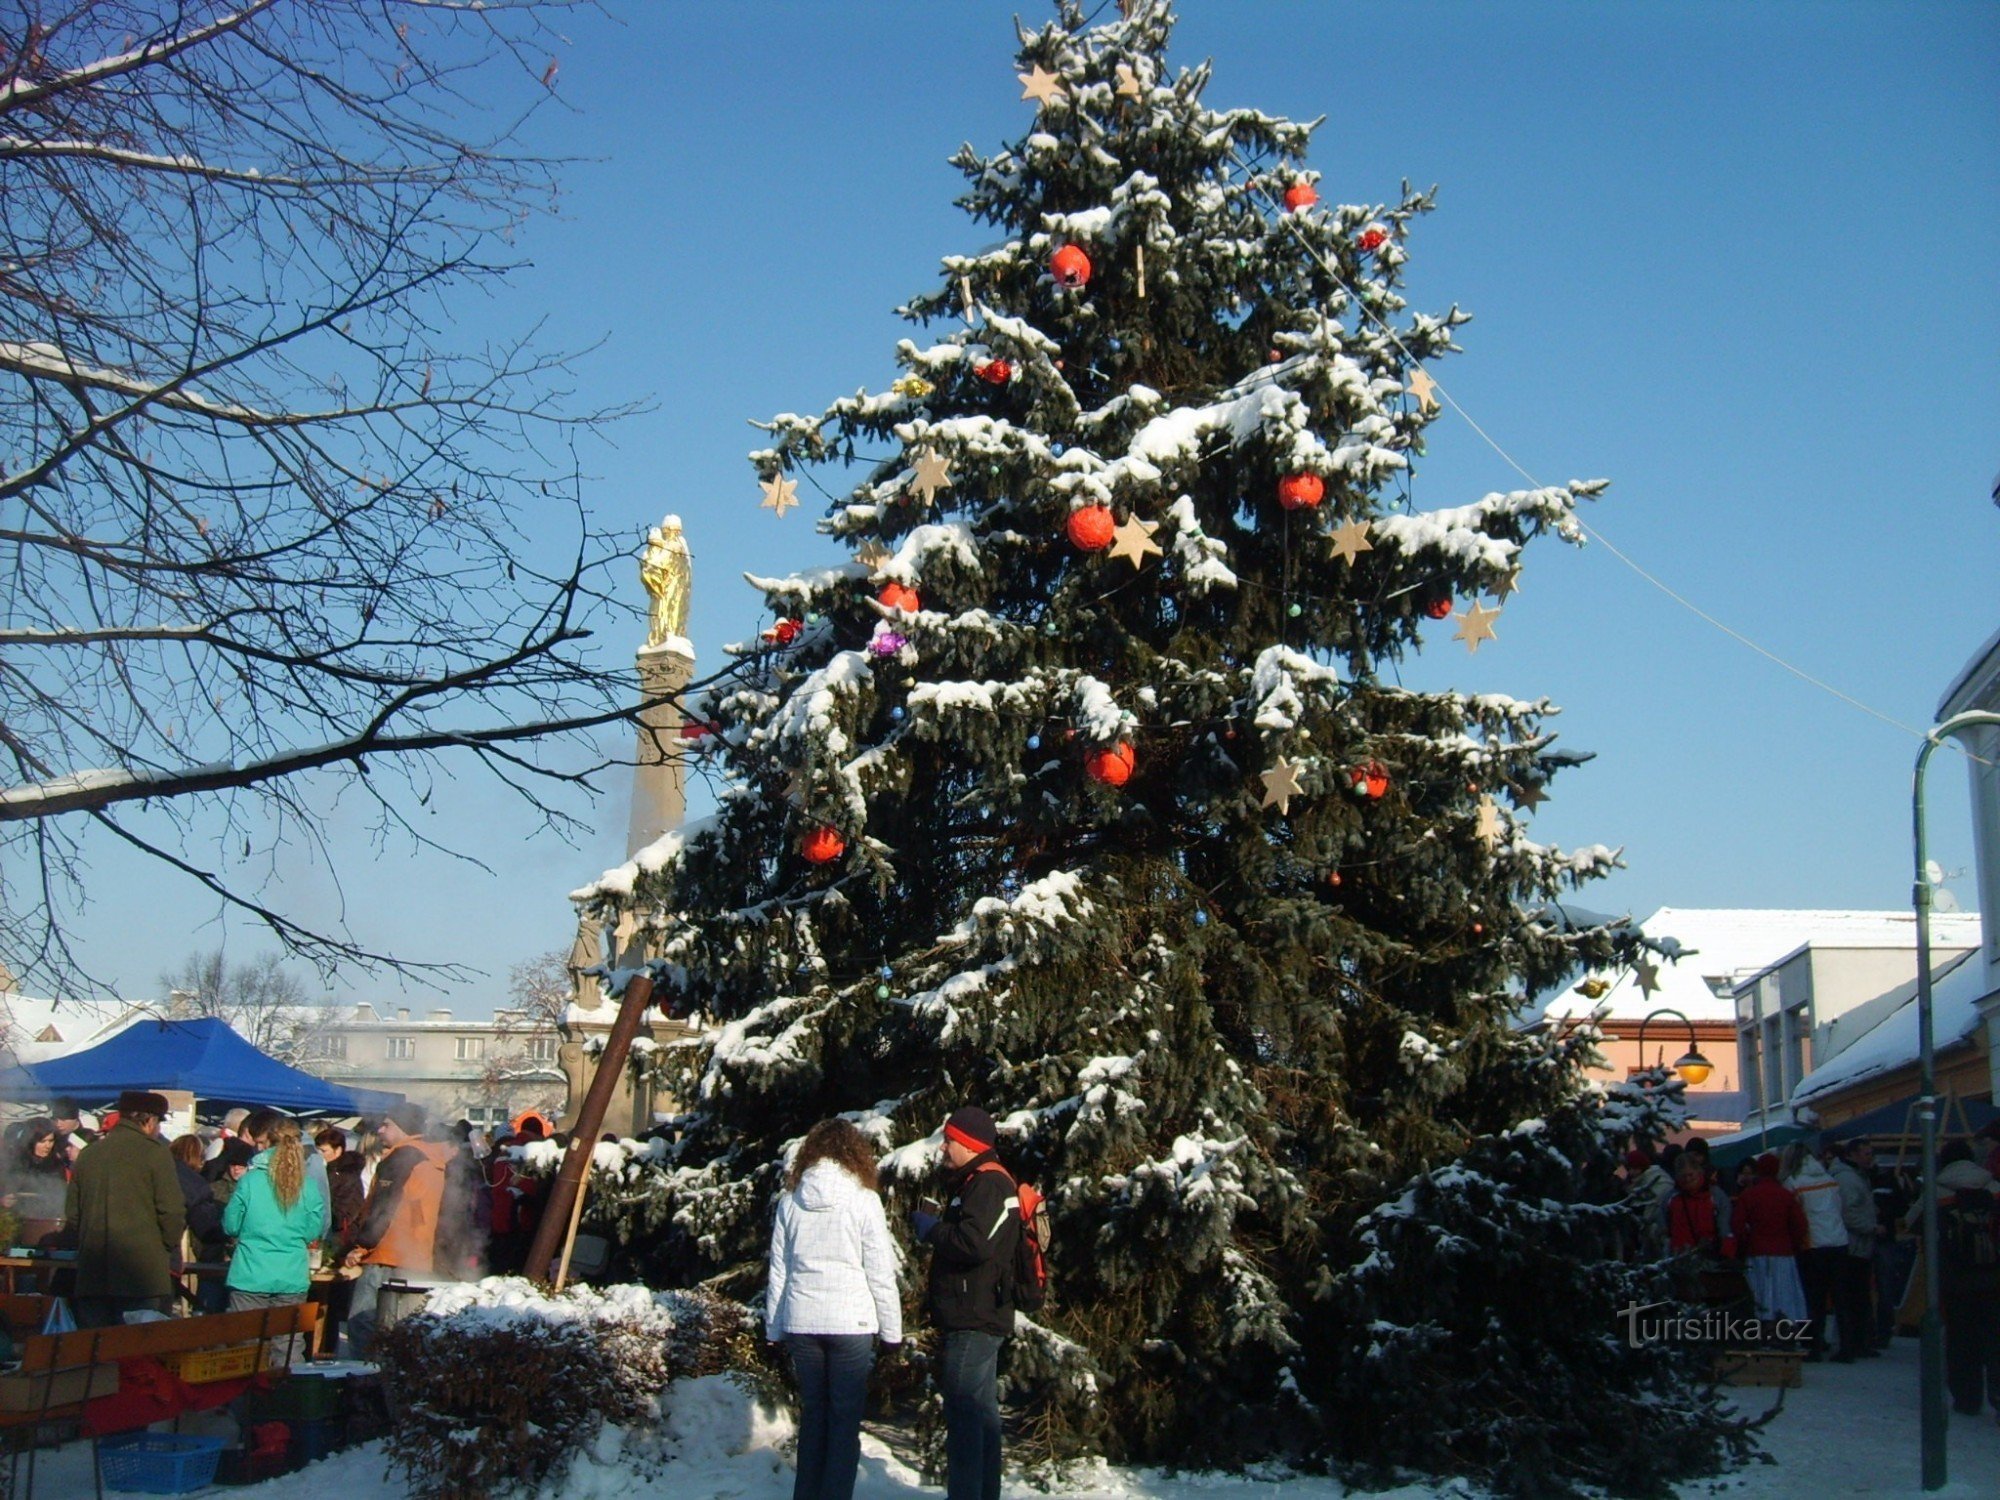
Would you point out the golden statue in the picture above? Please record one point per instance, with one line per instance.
(667, 569)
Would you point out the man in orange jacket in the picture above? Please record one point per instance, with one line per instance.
(397, 1239)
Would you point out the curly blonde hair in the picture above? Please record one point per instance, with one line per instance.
(837, 1141)
(288, 1161)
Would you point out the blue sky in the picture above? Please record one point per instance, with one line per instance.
(1740, 260)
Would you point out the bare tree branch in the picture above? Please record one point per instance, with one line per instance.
(273, 522)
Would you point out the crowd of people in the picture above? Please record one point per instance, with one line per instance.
(1829, 1236)
(245, 1213)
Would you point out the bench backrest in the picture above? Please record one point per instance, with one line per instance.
(91, 1346)
(23, 1312)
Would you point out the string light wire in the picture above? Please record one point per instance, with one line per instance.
(1285, 217)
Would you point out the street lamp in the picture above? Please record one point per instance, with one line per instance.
(1930, 1358)
(1692, 1067)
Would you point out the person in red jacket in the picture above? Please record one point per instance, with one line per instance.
(1771, 1232)
(1697, 1214)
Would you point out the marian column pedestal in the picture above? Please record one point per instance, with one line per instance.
(659, 807)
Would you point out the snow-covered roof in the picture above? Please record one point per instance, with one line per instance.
(38, 1030)
(1728, 945)
(1987, 656)
(1956, 991)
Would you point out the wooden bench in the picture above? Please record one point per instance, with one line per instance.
(61, 1372)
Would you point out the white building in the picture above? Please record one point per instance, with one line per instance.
(1799, 1012)
(486, 1072)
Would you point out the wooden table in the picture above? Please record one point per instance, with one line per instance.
(41, 1269)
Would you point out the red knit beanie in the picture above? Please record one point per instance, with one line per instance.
(972, 1128)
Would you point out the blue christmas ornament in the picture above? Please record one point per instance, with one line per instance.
(1200, 918)
(896, 713)
(886, 972)
(1034, 742)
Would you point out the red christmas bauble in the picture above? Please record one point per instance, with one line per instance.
(1333, 877)
(784, 632)
(900, 596)
(994, 371)
(1371, 780)
(1437, 609)
(694, 729)
(1091, 528)
(1070, 267)
(1374, 239)
(1301, 491)
(823, 845)
(1300, 195)
(1113, 767)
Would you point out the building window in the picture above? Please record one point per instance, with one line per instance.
(330, 1047)
(543, 1049)
(1748, 1068)
(402, 1048)
(471, 1048)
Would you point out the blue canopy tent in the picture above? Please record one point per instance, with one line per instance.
(204, 1057)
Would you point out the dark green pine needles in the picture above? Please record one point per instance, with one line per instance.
(1221, 1010)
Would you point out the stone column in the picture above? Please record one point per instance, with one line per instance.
(659, 776)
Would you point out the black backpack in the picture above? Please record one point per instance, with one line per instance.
(1966, 1240)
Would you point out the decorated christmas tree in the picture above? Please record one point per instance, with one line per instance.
(1085, 793)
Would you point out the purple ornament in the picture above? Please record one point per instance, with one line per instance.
(887, 643)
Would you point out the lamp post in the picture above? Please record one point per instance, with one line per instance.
(1930, 1360)
(1692, 1067)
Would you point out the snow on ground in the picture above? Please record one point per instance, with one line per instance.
(1851, 1430)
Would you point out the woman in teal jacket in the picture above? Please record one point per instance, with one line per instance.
(274, 1216)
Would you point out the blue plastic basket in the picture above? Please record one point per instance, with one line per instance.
(158, 1463)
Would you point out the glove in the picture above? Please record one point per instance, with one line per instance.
(921, 1223)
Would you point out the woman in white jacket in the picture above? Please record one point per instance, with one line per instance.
(832, 1293)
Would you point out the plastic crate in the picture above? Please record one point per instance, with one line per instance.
(158, 1463)
(298, 1398)
(233, 1362)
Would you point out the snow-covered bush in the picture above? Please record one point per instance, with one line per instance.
(498, 1385)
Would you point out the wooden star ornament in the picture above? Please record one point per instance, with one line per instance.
(780, 494)
(929, 474)
(872, 556)
(1527, 797)
(1648, 975)
(1488, 824)
(1508, 583)
(1424, 388)
(1042, 86)
(1128, 82)
(1281, 784)
(1350, 541)
(1134, 540)
(1476, 625)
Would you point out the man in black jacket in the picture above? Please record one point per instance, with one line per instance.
(971, 1298)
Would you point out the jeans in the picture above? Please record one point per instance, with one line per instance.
(1893, 1259)
(832, 1372)
(969, 1381)
(1971, 1310)
(361, 1321)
